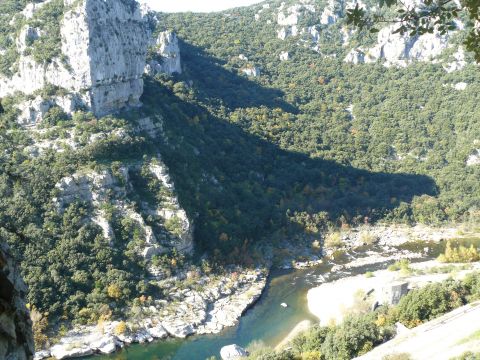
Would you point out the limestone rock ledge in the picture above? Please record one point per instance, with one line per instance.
(16, 339)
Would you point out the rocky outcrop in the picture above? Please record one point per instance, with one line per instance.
(252, 71)
(166, 55)
(458, 61)
(16, 339)
(173, 227)
(33, 111)
(474, 159)
(233, 352)
(284, 56)
(400, 50)
(296, 21)
(103, 48)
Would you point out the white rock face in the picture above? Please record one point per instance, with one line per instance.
(32, 8)
(251, 71)
(91, 187)
(99, 188)
(232, 352)
(400, 50)
(27, 34)
(291, 18)
(284, 56)
(355, 56)
(167, 48)
(329, 16)
(105, 44)
(474, 159)
(184, 237)
(458, 62)
(33, 111)
(460, 86)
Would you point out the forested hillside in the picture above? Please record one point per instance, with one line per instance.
(317, 133)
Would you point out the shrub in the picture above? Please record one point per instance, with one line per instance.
(120, 328)
(429, 302)
(403, 264)
(459, 254)
(367, 238)
(114, 291)
(333, 240)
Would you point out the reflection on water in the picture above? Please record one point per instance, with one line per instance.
(267, 321)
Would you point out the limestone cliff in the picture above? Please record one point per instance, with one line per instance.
(168, 226)
(103, 52)
(16, 339)
(306, 21)
(165, 55)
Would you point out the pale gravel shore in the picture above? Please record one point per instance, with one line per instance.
(332, 301)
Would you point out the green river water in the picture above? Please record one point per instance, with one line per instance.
(267, 321)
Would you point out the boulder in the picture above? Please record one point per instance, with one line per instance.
(66, 351)
(232, 352)
(106, 345)
(179, 329)
(40, 355)
(158, 332)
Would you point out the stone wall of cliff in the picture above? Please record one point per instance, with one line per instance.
(16, 339)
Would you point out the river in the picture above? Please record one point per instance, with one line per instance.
(267, 322)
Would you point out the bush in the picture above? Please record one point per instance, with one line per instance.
(357, 335)
(403, 265)
(367, 238)
(120, 328)
(459, 254)
(429, 302)
(333, 240)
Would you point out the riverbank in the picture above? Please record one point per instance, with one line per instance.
(306, 253)
(206, 309)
